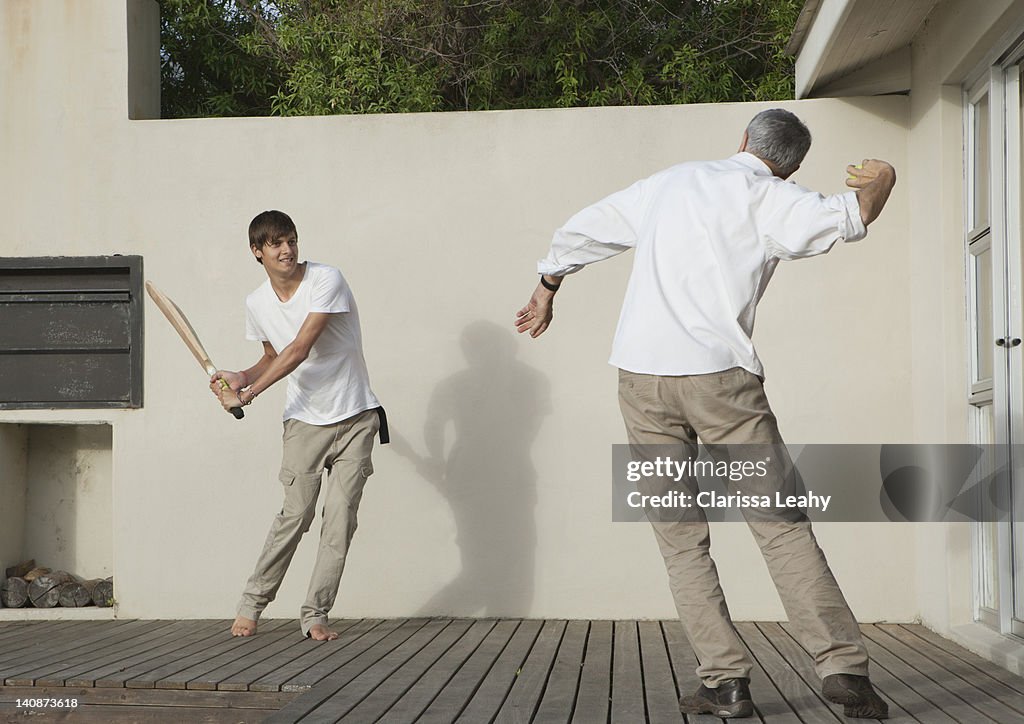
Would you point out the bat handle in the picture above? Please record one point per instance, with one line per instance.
(238, 412)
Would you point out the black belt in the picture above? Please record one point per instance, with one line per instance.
(385, 438)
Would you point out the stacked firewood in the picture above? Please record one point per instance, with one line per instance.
(28, 585)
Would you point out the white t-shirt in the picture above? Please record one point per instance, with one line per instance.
(332, 384)
(708, 236)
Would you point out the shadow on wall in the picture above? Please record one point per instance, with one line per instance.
(494, 408)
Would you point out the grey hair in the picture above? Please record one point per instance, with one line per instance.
(778, 136)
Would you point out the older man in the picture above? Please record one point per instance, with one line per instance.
(708, 236)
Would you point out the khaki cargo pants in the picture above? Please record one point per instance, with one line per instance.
(730, 407)
(343, 450)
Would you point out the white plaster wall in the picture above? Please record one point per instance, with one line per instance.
(436, 220)
(68, 513)
(13, 462)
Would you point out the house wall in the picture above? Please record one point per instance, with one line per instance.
(959, 39)
(955, 40)
(437, 221)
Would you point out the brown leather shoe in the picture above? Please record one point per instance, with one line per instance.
(730, 700)
(855, 693)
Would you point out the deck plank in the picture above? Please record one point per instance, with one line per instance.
(498, 682)
(150, 697)
(361, 653)
(455, 694)
(1000, 673)
(115, 677)
(684, 667)
(978, 679)
(145, 674)
(994, 671)
(223, 654)
(55, 660)
(101, 656)
(560, 693)
(769, 702)
(375, 704)
(13, 630)
(334, 681)
(977, 698)
(523, 699)
(65, 643)
(905, 704)
(194, 653)
(254, 666)
(797, 657)
(627, 678)
(137, 714)
(593, 698)
(316, 652)
(204, 675)
(85, 673)
(659, 683)
(931, 702)
(800, 695)
(332, 702)
(18, 636)
(414, 702)
(443, 670)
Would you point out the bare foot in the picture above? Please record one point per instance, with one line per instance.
(243, 627)
(319, 632)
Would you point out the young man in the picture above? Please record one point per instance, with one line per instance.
(708, 236)
(306, 318)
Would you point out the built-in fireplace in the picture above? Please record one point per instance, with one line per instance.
(56, 514)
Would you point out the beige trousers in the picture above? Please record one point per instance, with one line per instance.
(730, 407)
(343, 450)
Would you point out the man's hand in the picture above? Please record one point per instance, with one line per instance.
(536, 316)
(873, 180)
(227, 394)
(235, 380)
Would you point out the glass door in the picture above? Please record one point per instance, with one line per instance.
(992, 239)
(987, 416)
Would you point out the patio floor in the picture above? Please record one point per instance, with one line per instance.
(468, 670)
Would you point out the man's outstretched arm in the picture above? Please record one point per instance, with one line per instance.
(598, 232)
(874, 181)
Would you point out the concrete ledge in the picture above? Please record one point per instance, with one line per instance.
(999, 649)
(86, 613)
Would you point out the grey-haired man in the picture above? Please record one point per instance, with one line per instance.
(707, 238)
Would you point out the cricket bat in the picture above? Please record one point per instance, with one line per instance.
(188, 335)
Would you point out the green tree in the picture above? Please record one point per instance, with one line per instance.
(290, 57)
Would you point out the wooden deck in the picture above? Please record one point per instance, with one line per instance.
(445, 670)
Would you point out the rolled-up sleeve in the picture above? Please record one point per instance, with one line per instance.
(598, 232)
(796, 222)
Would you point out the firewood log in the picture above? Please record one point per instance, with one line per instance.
(103, 592)
(35, 573)
(21, 569)
(74, 595)
(14, 592)
(44, 591)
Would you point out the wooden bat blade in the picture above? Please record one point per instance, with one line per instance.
(182, 326)
(188, 335)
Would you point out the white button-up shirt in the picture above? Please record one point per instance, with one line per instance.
(708, 236)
